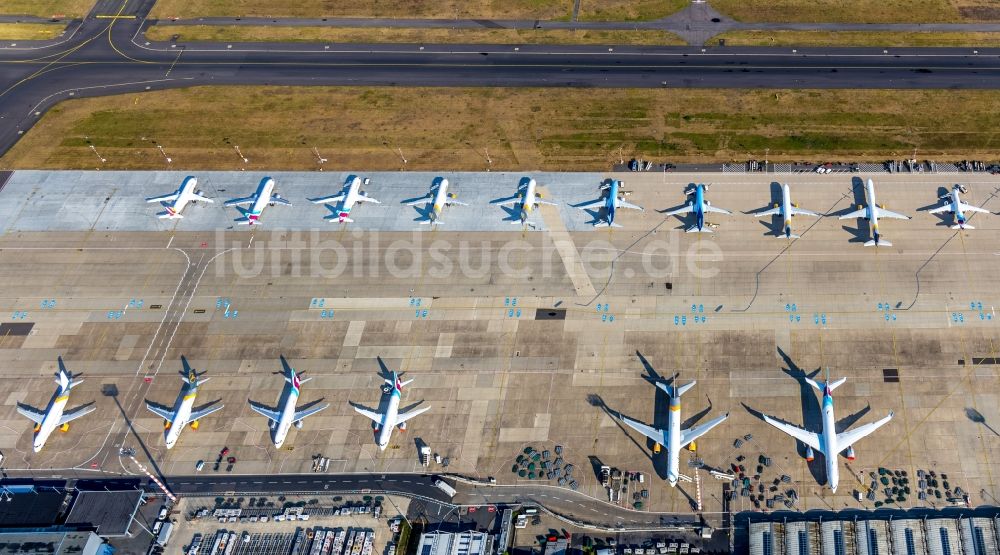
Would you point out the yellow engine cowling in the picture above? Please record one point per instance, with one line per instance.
(194, 425)
(37, 428)
(657, 447)
(64, 427)
(166, 424)
(693, 447)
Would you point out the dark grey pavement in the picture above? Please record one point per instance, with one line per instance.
(109, 57)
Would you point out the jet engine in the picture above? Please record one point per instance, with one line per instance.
(850, 453)
(810, 456)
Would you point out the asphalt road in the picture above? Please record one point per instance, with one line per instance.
(104, 56)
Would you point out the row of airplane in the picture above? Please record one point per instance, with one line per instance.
(184, 413)
(827, 441)
(527, 198)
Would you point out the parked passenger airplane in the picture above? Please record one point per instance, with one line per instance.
(673, 437)
(176, 201)
(439, 198)
(391, 417)
(183, 412)
(264, 196)
(56, 415)
(786, 210)
(829, 442)
(527, 198)
(281, 421)
(610, 201)
(347, 197)
(698, 206)
(872, 213)
(954, 205)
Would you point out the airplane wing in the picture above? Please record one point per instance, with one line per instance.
(72, 415)
(204, 411)
(803, 212)
(883, 213)
(32, 414)
(969, 208)
(279, 200)
(772, 212)
(299, 415)
(691, 434)
(659, 436)
(451, 201)
(862, 213)
(686, 209)
(170, 197)
(809, 438)
(239, 201)
(366, 198)
(710, 208)
(324, 200)
(202, 198)
(946, 207)
(162, 412)
(622, 204)
(264, 411)
(539, 201)
(850, 437)
(376, 417)
(404, 416)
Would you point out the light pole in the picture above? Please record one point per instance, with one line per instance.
(169, 160)
(102, 159)
(240, 154)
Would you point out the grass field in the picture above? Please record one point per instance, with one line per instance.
(860, 11)
(485, 9)
(236, 33)
(611, 10)
(628, 10)
(46, 8)
(856, 38)
(524, 129)
(29, 31)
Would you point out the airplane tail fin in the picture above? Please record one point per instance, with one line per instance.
(788, 236)
(696, 229)
(962, 226)
(675, 391)
(607, 224)
(878, 243)
(835, 384)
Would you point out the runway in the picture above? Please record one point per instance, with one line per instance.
(109, 56)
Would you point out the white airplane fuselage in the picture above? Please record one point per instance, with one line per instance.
(184, 196)
(674, 445)
(182, 415)
(829, 439)
(440, 199)
(350, 198)
(612, 200)
(956, 208)
(786, 211)
(286, 421)
(263, 197)
(51, 420)
(384, 432)
(528, 202)
(872, 209)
